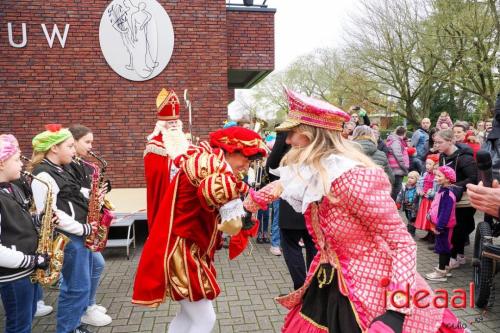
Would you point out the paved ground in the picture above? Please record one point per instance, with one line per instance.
(246, 303)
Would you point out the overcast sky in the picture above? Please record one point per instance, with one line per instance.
(302, 26)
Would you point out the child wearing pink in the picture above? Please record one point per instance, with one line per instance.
(442, 218)
(426, 188)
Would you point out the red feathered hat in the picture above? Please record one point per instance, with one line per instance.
(238, 139)
(167, 105)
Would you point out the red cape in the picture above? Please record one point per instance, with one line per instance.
(157, 172)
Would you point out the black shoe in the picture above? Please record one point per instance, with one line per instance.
(266, 240)
(81, 329)
(431, 247)
(260, 240)
(426, 238)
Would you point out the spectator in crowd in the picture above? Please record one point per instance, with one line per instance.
(420, 139)
(356, 111)
(415, 162)
(480, 132)
(407, 200)
(472, 141)
(460, 158)
(398, 158)
(442, 219)
(444, 121)
(291, 224)
(348, 129)
(432, 146)
(492, 143)
(380, 142)
(427, 187)
(488, 125)
(364, 136)
(460, 129)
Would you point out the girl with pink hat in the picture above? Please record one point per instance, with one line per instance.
(442, 219)
(365, 253)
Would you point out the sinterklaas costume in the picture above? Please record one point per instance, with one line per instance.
(364, 249)
(203, 198)
(161, 151)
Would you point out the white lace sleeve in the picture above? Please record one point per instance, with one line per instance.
(232, 210)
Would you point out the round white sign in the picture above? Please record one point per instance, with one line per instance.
(136, 38)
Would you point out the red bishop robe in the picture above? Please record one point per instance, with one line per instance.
(178, 257)
(157, 169)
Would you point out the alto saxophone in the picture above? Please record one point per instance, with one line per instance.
(97, 215)
(53, 249)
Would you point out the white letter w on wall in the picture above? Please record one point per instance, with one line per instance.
(55, 31)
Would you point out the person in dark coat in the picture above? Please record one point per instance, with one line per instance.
(363, 135)
(292, 224)
(492, 141)
(460, 158)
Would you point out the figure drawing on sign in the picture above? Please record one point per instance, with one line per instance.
(137, 28)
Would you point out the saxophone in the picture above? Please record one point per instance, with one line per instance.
(97, 215)
(54, 249)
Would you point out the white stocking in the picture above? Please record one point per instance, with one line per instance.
(193, 317)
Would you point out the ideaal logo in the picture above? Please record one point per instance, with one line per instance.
(403, 298)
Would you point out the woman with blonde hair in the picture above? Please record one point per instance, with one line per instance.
(53, 151)
(365, 256)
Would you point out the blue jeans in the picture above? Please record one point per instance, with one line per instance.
(39, 293)
(263, 217)
(19, 299)
(95, 275)
(275, 227)
(75, 287)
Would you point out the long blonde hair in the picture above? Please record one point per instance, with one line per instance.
(323, 143)
(36, 159)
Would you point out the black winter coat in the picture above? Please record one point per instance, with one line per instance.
(288, 218)
(464, 164)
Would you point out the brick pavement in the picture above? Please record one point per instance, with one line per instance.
(246, 303)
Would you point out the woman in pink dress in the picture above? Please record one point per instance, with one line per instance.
(365, 254)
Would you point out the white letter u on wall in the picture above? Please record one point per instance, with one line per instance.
(11, 38)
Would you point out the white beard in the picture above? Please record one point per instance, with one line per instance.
(174, 141)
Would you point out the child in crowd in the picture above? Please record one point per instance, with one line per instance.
(415, 162)
(442, 218)
(18, 243)
(444, 121)
(407, 200)
(426, 188)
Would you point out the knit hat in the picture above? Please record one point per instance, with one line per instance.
(449, 173)
(8, 146)
(53, 135)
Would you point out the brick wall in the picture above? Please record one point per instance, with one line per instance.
(250, 40)
(39, 85)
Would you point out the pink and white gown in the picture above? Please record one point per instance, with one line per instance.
(358, 232)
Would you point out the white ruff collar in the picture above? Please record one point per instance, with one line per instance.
(303, 185)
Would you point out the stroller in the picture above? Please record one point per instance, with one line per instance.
(486, 256)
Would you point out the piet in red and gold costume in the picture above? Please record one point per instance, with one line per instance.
(165, 143)
(364, 250)
(203, 198)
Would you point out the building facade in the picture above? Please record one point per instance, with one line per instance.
(62, 76)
